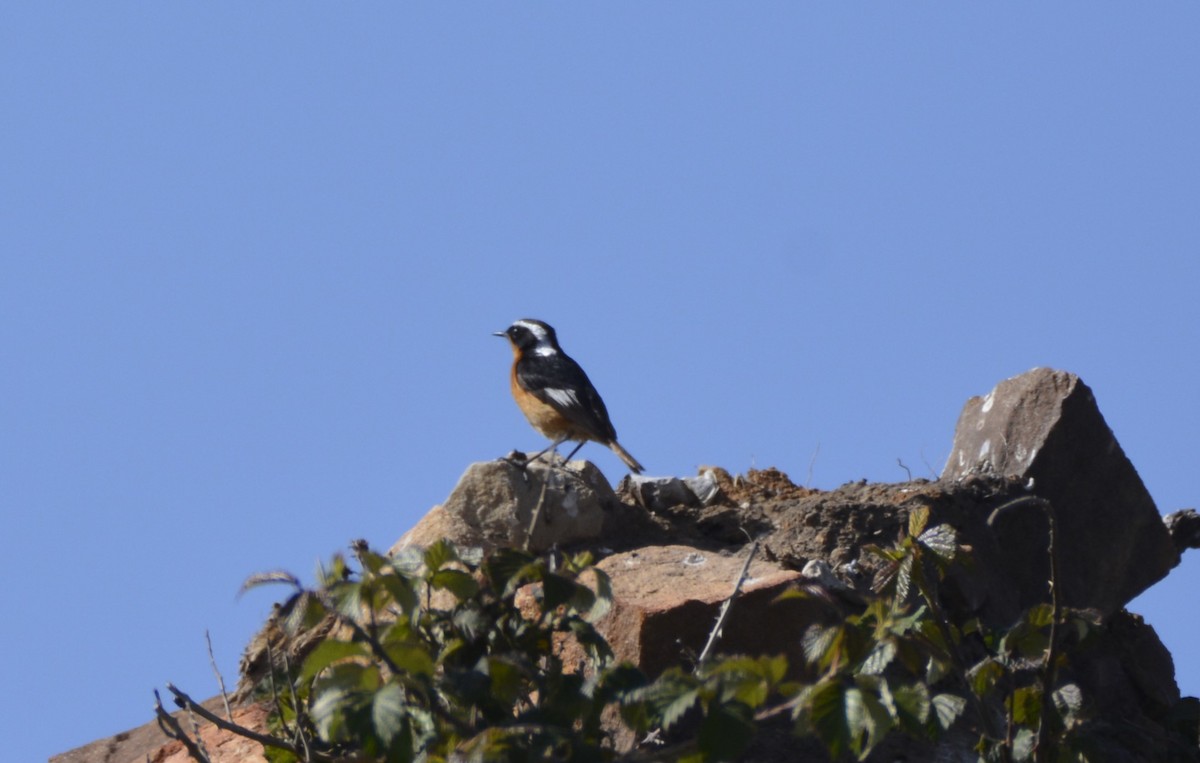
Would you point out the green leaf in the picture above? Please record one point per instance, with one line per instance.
(984, 676)
(413, 658)
(1039, 615)
(917, 519)
(821, 643)
(827, 716)
(402, 591)
(347, 598)
(277, 755)
(669, 697)
(619, 681)
(371, 561)
(304, 611)
(409, 561)
(867, 720)
(942, 541)
(880, 657)
(947, 708)
(505, 564)
(675, 707)
(556, 590)
(342, 698)
(1023, 743)
(725, 732)
(1068, 699)
(388, 712)
(329, 711)
(603, 599)
(457, 582)
(327, 653)
(904, 578)
(438, 555)
(1026, 705)
(336, 573)
(507, 680)
(912, 705)
(886, 554)
(936, 670)
(591, 640)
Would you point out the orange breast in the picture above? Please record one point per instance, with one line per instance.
(545, 418)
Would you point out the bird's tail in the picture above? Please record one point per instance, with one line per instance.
(623, 454)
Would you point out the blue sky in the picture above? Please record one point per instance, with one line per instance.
(253, 254)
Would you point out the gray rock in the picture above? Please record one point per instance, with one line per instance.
(494, 502)
(1044, 428)
(658, 493)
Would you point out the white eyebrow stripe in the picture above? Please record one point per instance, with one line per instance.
(562, 397)
(535, 329)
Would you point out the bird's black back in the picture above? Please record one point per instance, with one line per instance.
(538, 373)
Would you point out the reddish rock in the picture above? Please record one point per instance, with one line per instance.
(148, 743)
(1044, 428)
(666, 600)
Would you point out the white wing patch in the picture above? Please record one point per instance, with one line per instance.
(563, 398)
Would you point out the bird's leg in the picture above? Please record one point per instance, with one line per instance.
(553, 447)
(573, 452)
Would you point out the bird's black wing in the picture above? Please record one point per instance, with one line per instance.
(559, 381)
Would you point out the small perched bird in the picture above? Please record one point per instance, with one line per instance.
(555, 394)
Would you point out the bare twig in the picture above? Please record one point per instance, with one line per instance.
(905, 468)
(715, 633)
(1041, 750)
(287, 672)
(184, 701)
(169, 725)
(537, 511)
(196, 732)
(812, 462)
(275, 691)
(220, 680)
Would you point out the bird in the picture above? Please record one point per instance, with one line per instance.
(555, 394)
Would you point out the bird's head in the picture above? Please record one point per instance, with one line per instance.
(531, 336)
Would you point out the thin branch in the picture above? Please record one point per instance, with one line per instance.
(196, 732)
(1041, 750)
(811, 463)
(169, 725)
(714, 634)
(537, 511)
(220, 680)
(274, 691)
(291, 682)
(183, 700)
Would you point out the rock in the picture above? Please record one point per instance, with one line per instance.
(1044, 428)
(1184, 527)
(493, 506)
(659, 493)
(666, 599)
(147, 742)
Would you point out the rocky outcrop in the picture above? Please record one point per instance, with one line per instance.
(1045, 429)
(674, 549)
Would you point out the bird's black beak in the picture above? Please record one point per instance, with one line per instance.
(500, 333)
